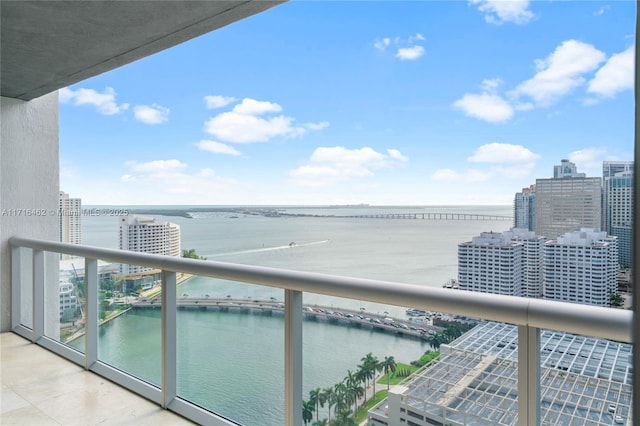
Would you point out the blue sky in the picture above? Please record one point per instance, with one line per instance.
(386, 103)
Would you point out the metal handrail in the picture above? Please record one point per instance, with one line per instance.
(607, 323)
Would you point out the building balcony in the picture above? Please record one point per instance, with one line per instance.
(165, 387)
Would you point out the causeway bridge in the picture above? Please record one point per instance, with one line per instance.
(432, 216)
(333, 315)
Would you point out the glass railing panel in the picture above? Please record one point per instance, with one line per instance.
(70, 300)
(130, 339)
(350, 351)
(26, 287)
(230, 358)
(51, 295)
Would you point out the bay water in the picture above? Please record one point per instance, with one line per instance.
(232, 363)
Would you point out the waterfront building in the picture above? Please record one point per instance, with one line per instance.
(508, 263)
(581, 267)
(491, 263)
(148, 235)
(617, 205)
(532, 246)
(583, 380)
(68, 300)
(567, 202)
(524, 209)
(70, 218)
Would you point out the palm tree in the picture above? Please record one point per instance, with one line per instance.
(317, 398)
(307, 411)
(370, 365)
(329, 398)
(389, 365)
(357, 391)
(339, 394)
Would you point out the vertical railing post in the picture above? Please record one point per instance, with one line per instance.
(528, 375)
(38, 295)
(90, 312)
(169, 338)
(16, 286)
(293, 357)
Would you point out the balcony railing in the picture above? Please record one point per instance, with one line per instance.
(530, 315)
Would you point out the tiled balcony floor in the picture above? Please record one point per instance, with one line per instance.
(41, 388)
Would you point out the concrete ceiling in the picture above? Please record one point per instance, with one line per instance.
(47, 45)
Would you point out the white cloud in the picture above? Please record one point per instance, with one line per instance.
(403, 52)
(105, 102)
(560, 72)
(382, 44)
(418, 36)
(397, 155)
(615, 76)
(504, 160)
(243, 123)
(156, 166)
(252, 107)
(601, 11)
(329, 165)
(217, 148)
(486, 106)
(218, 101)
(242, 128)
(589, 160)
(501, 11)
(316, 126)
(410, 53)
(154, 114)
(169, 179)
(498, 153)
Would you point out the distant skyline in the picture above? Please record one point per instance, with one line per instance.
(384, 103)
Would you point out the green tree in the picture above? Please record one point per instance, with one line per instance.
(317, 398)
(329, 399)
(389, 365)
(615, 300)
(339, 394)
(191, 254)
(354, 389)
(307, 411)
(323, 422)
(343, 418)
(370, 365)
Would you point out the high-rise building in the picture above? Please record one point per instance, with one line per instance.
(532, 246)
(524, 209)
(148, 235)
(581, 267)
(491, 263)
(617, 205)
(508, 263)
(567, 202)
(70, 214)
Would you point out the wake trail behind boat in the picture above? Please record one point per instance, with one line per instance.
(265, 249)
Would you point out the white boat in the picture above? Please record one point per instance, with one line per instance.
(451, 283)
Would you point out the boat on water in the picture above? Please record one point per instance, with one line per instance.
(451, 283)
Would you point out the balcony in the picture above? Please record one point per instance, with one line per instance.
(28, 259)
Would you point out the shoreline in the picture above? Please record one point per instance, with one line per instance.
(154, 292)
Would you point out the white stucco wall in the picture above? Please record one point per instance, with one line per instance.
(29, 179)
